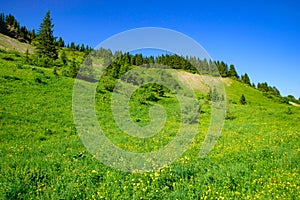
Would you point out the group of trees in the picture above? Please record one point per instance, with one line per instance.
(225, 72)
(11, 27)
(119, 63)
(264, 87)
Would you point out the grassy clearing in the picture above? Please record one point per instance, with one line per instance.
(42, 157)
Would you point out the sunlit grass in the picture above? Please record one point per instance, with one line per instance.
(42, 157)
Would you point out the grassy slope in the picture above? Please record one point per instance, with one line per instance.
(42, 156)
(8, 43)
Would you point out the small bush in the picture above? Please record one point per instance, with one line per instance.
(230, 115)
(289, 111)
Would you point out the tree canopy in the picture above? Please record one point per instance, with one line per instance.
(45, 41)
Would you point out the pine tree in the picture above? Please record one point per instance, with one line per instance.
(232, 72)
(45, 41)
(82, 48)
(63, 58)
(243, 100)
(223, 68)
(245, 79)
(72, 45)
(61, 42)
(2, 22)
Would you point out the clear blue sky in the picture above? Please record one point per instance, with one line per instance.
(261, 38)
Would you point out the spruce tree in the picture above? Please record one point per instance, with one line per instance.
(61, 42)
(63, 58)
(232, 72)
(223, 68)
(45, 41)
(243, 100)
(245, 79)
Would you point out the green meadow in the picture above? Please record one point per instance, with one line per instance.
(43, 157)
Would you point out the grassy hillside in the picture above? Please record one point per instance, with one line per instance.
(42, 156)
(7, 43)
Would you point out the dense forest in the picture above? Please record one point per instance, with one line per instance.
(54, 53)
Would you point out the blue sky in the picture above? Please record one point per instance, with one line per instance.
(261, 38)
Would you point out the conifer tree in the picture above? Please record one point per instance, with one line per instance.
(232, 72)
(45, 41)
(243, 100)
(245, 79)
(61, 42)
(63, 58)
(223, 68)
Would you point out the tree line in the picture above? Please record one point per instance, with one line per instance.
(11, 27)
(47, 46)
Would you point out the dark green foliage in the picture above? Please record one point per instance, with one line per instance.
(289, 111)
(11, 27)
(63, 57)
(285, 100)
(291, 98)
(82, 48)
(9, 77)
(264, 87)
(45, 41)
(72, 45)
(245, 79)
(243, 100)
(223, 68)
(145, 95)
(55, 71)
(232, 72)
(73, 68)
(229, 115)
(78, 47)
(60, 42)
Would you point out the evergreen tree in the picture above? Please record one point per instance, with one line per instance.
(2, 23)
(223, 68)
(232, 72)
(45, 41)
(82, 48)
(73, 68)
(245, 79)
(138, 59)
(243, 100)
(63, 58)
(61, 42)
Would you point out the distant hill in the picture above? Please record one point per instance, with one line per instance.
(8, 43)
